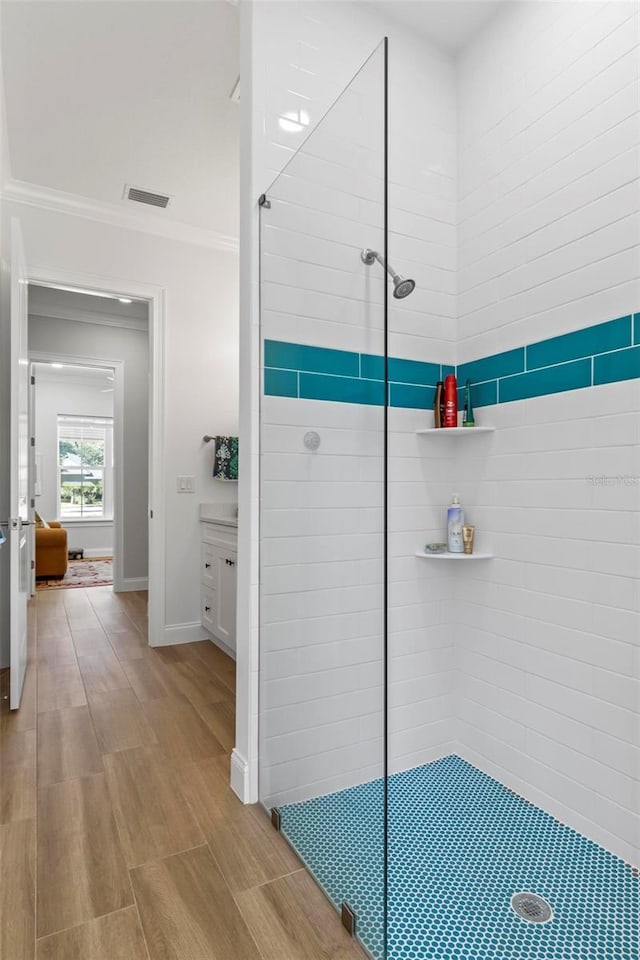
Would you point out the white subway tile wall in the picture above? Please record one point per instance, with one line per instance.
(547, 636)
(322, 651)
(514, 204)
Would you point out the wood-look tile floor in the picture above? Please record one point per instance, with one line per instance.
(120, 838)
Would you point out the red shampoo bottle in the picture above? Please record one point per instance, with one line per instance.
(450, 401)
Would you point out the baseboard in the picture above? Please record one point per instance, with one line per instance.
(128, 585)
(181, 633)
(106, 553)
(240, 776)
(220, 644)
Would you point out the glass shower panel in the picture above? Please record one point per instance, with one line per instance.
(322, 499)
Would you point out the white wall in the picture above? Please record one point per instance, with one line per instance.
(325, 209)
(55, 396)
(321, 640)
(547, 640)
(201, 363)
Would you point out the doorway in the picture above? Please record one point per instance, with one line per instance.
(112, 337)
(73, 472)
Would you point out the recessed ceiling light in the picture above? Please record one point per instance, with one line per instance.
(124, 300)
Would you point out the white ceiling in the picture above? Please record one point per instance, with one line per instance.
(45, 301)
(99, 94)
(450, 24)
(103, 94)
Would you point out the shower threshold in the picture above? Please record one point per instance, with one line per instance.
(461, 846)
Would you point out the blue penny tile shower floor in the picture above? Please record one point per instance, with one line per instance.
(460, 846)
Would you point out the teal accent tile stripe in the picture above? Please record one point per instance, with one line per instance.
(316, 386)
(280, 383)
(482, 394)
(321, 373)
(297, 356)
(490, 368)
(407, 395)
(612, 335)
(620, 365)
(602, 353)
(538, 383)
(413, 371)
(371, 366)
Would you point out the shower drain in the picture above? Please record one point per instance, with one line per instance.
(531, 907)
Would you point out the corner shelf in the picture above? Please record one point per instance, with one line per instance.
(456, 431)
(454, 556)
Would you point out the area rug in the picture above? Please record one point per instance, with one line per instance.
(92, 572)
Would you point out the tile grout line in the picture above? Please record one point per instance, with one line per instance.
(233, 900)
(83, 923)
(266, 883)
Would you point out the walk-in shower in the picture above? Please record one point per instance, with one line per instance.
(451, 744)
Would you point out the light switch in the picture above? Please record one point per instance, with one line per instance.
(186, 484)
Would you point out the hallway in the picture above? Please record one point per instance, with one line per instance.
(119, 835)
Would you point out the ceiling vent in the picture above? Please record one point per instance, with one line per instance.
(146, 196)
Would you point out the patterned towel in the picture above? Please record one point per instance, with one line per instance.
(225, 458)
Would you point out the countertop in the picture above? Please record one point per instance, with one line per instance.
(224, 513)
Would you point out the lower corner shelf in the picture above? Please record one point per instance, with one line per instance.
(467, 557)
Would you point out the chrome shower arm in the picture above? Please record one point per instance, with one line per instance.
(401, 287)
(369, 256)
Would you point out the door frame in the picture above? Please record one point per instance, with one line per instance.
(156, 297)
(20, 532)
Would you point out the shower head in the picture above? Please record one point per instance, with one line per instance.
(401, 287)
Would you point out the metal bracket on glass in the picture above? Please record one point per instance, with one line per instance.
(263, 201)
(348, 918)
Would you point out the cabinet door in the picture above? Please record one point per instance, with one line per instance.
(226, 606)
(210, 556)
(209, 609)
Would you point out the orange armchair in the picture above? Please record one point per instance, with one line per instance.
(51, 550)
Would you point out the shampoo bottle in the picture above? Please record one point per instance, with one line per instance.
(450, 401)
(468, 419)
(455, 522)
(438, 404)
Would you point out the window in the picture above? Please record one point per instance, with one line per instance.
(85, 468)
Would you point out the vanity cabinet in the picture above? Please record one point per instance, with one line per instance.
(218, 565)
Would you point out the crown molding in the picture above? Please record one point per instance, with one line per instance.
(87, 316)
(71, 204)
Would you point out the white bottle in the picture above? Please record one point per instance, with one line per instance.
(455, 522)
